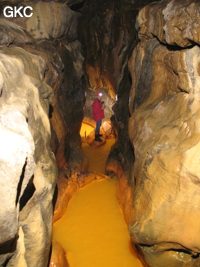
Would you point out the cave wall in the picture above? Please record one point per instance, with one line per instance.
(164, 131)
(107, 44)
(41, 110)
(28, 169)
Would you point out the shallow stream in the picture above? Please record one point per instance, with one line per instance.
(93, 231)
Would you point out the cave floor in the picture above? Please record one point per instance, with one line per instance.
(93, 231)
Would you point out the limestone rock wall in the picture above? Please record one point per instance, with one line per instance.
(28, 169)
(41, 110)
(68, 105)
(164, 131)
(50, 20)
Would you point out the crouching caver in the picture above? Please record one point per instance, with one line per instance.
(98, 115)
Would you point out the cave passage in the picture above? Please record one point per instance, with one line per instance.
(93, 231)
(144, 58)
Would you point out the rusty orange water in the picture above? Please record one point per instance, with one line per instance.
(86, 129)
(97, 156)
(93, 231)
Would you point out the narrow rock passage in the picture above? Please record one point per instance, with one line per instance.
(93, 231)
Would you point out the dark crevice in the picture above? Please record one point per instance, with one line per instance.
(130, 78)
(175, 47)
(50, 254)
(183, 91)
(180, 250)
(178, 48)
(9, 246)
(6, 262)
(77, 6)
(28, 193)
(55, 196)
(194, 255)
(50, 111)
(20, 183)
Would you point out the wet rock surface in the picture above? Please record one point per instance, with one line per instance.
(172, 22)
(58, 257)
(28, 168)
(41, 111)
(163, 129)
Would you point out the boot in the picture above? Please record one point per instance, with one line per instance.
(97, 138)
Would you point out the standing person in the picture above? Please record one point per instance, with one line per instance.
(98, 115)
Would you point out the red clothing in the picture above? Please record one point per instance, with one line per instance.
(97, 110)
